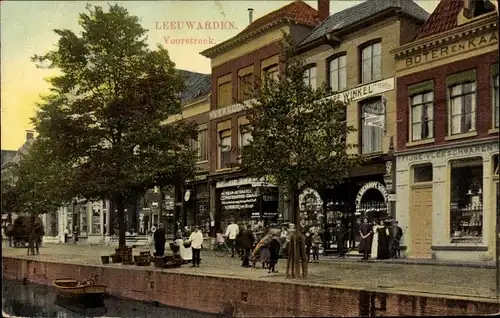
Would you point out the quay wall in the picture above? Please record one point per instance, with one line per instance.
(244, 297)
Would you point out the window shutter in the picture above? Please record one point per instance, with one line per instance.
(462, 77)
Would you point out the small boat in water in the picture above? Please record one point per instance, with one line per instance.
(87, 291)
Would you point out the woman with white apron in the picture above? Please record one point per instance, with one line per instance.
(374, 252)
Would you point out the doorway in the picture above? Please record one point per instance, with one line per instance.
(421, 212)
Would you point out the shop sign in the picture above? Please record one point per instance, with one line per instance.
(371, 185)
(243, 182)
(472, 151)
(239, 199)
(453, 49)
(365, 91)
(229, 110)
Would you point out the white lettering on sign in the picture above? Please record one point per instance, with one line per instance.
(472, 150)
(243, 181)
(229, 110)
(371, 185)
(239, 199)
(365, 91)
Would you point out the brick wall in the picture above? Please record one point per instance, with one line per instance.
(482, 64)
(242, 298)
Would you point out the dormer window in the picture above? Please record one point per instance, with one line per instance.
(476, 8)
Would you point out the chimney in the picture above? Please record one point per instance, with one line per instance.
(323, 9)
(250, 15)
(30, 134)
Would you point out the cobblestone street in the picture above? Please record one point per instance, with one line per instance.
(466, 282)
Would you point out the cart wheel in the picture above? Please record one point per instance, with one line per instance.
(220, 250)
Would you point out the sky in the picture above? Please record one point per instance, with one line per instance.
(27, 29)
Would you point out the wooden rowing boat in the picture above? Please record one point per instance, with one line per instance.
(85, 291)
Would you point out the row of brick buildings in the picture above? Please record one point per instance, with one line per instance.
(431, 160)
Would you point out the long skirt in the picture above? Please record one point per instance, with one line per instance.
(265, 254)
(365, 245)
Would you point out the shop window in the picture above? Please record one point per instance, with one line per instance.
(372, 126)
(371, 62)
(245, 87)
(422, 111)
(338, 73)
(224, 95)
(495, 166)
(496, 101)
(462, 101)
(224, 149)
(422, 173)
(310, 76)
(466, 200)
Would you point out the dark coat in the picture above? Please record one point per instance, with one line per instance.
(247, 239)
(159, 237)
(383, 243)
(274, 249)
(365, 245)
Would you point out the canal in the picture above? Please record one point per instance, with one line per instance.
(31, 300)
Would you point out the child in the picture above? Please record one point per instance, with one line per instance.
(316, 242)
(274, 249)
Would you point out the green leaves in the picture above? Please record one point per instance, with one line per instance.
(299, 135)
(103, 118)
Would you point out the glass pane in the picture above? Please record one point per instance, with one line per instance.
(334, 64)
(343, 62)
(313, 82)
(226, 142)
(429, 97)
(416, 132)
(377, 49)
(429, 111)
(422, 173)
(343, 78)
(456, 106)
(456, 90)
(334, 85)
(417, 99)
(469, 103)
(367, 52)
(470, 87)
(313, 72)
(367, 140)
(366, 71)
(377, 67)
(416, 114)
(456, 124)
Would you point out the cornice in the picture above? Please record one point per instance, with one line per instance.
(240, 38)
(451, 36)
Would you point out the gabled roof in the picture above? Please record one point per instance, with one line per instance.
(297, 12)
(7, 156)
(444, 18)
(196, 85)
(362, 11)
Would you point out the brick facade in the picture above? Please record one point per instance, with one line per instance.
(254, 58)
(484, 110)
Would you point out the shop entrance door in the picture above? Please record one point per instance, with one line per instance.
(421, 222)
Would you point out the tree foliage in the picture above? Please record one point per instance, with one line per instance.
(299, 134)
(104, 115)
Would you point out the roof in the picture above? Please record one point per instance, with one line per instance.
(7, 156)
(444, 18)
(362, 11)
(16, 157)
(196, 85)
(298, 12)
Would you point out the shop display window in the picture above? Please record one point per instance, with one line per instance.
(466, 200)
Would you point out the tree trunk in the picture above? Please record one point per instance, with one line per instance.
(120, 205)
(31, 237)
(297, 247)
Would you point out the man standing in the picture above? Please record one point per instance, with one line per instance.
(196, 239)
(340, 237)
(247, 240)
(396, 237)
(159, 238)
(231, 233)
(66, 234)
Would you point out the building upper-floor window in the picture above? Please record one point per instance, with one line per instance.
(421, 111)
(245, 136)
(338, 73)
(462, 102)
(224, 149)
(272, 72)
(371, 62)
(203, 144)
(245, 87)
(310, 76)
(372, 125)
(496, 96)
(224, 94)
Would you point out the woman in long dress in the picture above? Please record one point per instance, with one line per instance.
(366, 236)
(374, 251)
(185, 253)
(383, 241)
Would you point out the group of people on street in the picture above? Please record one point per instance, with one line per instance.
(380, 239)
(189, 243)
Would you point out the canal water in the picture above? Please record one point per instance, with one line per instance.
(31, 300)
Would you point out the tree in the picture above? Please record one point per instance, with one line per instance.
(104, 115)
(39, 187)
(299, 136)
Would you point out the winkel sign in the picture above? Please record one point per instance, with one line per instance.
(365, 91)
